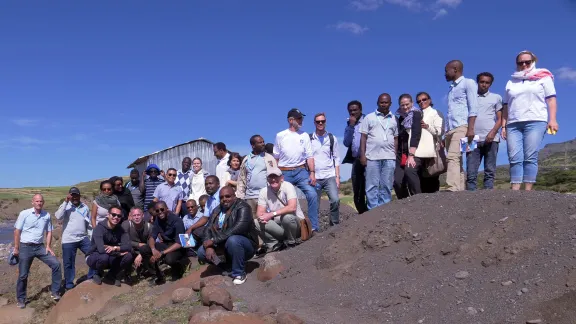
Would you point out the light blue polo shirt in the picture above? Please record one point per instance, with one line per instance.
(211, 204)
(33, 226)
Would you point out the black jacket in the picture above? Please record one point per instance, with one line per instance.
(104, 235)
(126, 202)
(238, 221)
(403, 136)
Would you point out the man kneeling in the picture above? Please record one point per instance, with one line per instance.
(139, 232)
(279, 214)
(110, 249)
(230, 230)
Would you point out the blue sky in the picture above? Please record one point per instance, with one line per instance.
(88, 86)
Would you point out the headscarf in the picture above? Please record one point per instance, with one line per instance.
(408, 116)
(234, 174)
(107, 201)
(532, 73)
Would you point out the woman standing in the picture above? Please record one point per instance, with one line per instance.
(432, 128)
(102, 203)
(124, 196)
(233, 171)
(197, 188)
(529, 109)
(406, 180)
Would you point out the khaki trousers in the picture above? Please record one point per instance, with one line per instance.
(455, 174)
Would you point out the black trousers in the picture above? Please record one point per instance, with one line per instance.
(177, 260)
(118, 264)
(407, 179)
(359, 186)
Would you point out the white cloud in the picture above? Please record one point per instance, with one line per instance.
(23, 122)
(566, 73)
(366, 5)
(79, 137)
(23, 143)
(350, 27)
(410, 4)
(440, 13)
(449, 3)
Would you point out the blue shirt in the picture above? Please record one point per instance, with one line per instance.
(189, 220)
(171, 195)
(488, 105)
(462, 102)
(211, 204)
(255, 175)
(352, 137)
(33, 226)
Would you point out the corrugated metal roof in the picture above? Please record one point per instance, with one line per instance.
(146, 157)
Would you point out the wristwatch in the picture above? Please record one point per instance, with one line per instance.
(274, 213)
(410, 154)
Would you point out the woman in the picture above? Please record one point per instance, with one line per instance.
(432, 128)
(102, 203)
(406, 180)
(197, 188)
(529, 109)
(124, 196)
(232, 173)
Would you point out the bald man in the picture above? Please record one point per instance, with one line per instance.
(462, 111)
(28, 244)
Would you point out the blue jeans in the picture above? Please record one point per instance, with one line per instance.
(27, 255)
(329, 186)
(488, 152)
(524, 139)
(300, 178)
(69, 259)
(239, 249)
(379, 182)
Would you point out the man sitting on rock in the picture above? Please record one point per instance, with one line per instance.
(110, 249)
(139, 232)
(167, 228)
(279, 214)
(230, 230)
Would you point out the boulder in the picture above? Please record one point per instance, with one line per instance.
(197, 310)
(266, 310)
(216, 295)
(181, 295)
(270, 267)
(10, 314)
(165, 297)
(114, 310)
(83, 301)
(3, 301)
(223, 317)
(198, 285)
(287, 318)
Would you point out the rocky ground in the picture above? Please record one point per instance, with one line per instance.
(484, 257)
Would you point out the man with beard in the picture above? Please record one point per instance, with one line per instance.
(230, 230)
(293, 152)
(134, 187)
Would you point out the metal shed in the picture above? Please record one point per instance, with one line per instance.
(172, 157)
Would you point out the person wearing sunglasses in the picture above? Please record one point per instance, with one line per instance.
(124, 195)
(110, 249)
(432, 130)
(102, 203)
(148, 184)
(170, 193)
(529, 110)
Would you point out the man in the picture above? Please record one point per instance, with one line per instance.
(150, 215)
(221, 153)
(202, 203)
(139, 232)
(327, 163)
(169, 192)
(134, 187)
(462, 111)
(75, 217)
(212, 185)
(183, 180)
(148, 185)
(487, 127)
(293, 152)
(110, 249)
(230, 230)
(29, 232)
(167, 228)
(279, 214)
(352, 142)
(194, 221)
(253, 172)
(378, 146)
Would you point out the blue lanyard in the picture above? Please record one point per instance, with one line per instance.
(221, 219)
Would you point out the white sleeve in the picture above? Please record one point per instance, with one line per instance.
(549, 89)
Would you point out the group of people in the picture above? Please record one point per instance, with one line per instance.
(250, 205)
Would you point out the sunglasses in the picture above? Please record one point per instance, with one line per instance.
(171, 174)
(524, 63)
(160, 210)
(106, 189)
(116, 215)
(422, 100)
(320, 122)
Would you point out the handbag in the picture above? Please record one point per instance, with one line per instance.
(305, 224)
(437, 165)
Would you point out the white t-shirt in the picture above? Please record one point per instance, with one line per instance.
(527, 99)
(269, 199)
(292, 148)
(222, 169)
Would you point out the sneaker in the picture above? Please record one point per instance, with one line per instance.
(97, 279)
(238, 280)
(157, 282)
(21, 304)
(55, 296)
(128, 280)
(117, 283)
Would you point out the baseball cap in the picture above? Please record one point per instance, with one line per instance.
(13, 259)
(295, 113)
(274, 171)
(74, 191)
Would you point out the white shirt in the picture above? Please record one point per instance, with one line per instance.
(198, 186)
(292, 148)
(222, 169)
(269, 199)
(325, 164)
(527, 99)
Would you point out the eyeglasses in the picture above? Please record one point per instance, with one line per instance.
(160, 210)
(524, 63)
(422, 100)
(320, 122)
(116, 215)
(106, 189)
(171, 174)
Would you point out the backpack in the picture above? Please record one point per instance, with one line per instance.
(331, 137)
